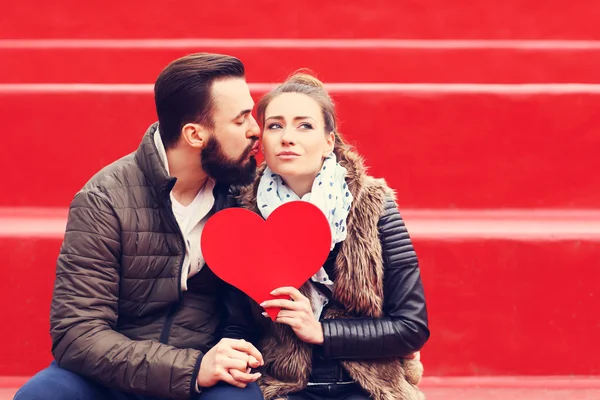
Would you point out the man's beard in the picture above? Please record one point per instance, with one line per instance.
(223, 169)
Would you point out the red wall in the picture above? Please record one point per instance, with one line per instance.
(428, 19)
(453, 124)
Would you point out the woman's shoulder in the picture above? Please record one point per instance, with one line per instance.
(380, 184)
(376, 190)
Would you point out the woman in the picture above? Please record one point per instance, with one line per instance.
(350, 331)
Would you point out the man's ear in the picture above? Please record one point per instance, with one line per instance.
(195, 135)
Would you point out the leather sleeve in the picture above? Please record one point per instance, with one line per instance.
(84, 312)
(404, 329)
(239, 319)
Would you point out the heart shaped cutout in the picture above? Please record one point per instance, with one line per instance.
(258, 256)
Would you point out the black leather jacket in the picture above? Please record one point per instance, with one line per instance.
(403, 331)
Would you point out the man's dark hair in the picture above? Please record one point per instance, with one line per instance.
(182, 92)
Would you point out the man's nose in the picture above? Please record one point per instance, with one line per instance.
(254, 130)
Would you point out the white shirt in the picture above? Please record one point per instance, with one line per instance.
(191, 219)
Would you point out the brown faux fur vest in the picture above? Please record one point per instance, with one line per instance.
(358, 286)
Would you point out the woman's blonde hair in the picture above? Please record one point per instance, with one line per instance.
(307, 84)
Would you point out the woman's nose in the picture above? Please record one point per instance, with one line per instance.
(287, 137)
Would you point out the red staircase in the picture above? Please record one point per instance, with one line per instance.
(483, 117)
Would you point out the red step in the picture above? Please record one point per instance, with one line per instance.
(449, 388)
(509, 293)
(25, 295)
(501, 307)
(439, 146)
(427, 19)
(140, 61)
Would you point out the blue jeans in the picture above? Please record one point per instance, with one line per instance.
(334, 391)
(55, 383)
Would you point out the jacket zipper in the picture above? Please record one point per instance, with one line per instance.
(166, 331)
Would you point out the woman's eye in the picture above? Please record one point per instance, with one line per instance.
(306, 125)
(274, 126)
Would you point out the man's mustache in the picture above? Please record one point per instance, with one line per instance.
(249, 148)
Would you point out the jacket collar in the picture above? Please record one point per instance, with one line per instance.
(150, 161)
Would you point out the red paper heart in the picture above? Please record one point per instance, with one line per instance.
(258, 256)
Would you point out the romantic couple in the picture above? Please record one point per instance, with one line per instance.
(137, 314)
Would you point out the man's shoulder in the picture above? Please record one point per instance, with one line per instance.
(118, 177)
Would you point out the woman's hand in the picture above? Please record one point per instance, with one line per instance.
(298, 314)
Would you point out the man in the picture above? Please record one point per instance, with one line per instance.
(135, 311)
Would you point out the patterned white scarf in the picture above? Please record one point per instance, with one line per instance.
(330, 194)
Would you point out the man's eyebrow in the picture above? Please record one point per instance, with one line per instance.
(242, 113)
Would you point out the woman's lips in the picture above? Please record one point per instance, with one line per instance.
(287, 155)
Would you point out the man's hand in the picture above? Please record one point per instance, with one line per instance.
(230, 361)
(298, 314)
